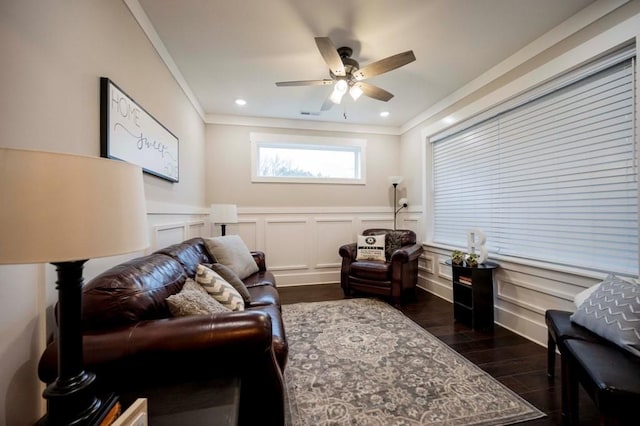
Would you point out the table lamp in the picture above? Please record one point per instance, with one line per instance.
(224, 214)
(65, 209)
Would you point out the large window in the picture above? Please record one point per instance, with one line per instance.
(304, 159)
(552, 179)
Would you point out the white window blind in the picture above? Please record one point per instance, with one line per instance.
(553, 179)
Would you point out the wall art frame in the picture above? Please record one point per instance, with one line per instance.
(129, 133)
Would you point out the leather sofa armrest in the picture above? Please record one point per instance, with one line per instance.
(260, 260)
(407, 253)
(149, 347)
(348, 251)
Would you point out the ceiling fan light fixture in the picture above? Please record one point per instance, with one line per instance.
(355, 92)
(336, 97)
(339, 90)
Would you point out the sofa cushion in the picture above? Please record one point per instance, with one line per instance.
(371, 247)
(259, 279)
(190, 254)
(219, 289)
(232, 278)
(264, 295)
(193, 299)
(612, 312)
(377, 271)
(131, 292)
(232, 252)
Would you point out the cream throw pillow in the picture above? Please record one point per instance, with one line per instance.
(193, 300)
(219, 289)
(232, 252)
(371, 247)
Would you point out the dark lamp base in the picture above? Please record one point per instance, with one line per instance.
(95, 414)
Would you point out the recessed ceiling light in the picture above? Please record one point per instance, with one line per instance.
(449, 120)
(384, 114)
(241, 102)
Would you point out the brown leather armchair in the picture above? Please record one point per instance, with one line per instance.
(393, 278)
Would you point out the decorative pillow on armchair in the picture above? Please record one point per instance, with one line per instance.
(232, 252)
(393, 242)
(371, 247)
(612, 312)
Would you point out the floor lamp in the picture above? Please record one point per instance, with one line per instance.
(224, 214)
(65, 209)
(395, 181)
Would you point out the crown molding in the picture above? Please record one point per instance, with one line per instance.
(147, 27)
(238, 120)
(575, 23)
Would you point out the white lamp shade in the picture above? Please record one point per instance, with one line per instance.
(403, 201)
(395, 180)
(224, 213)
(62, 207)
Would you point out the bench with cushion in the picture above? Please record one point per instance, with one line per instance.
(606, 364)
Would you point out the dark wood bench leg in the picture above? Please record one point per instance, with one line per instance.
(551, 356)
(570, 393)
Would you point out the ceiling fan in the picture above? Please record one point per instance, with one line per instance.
(346, 74)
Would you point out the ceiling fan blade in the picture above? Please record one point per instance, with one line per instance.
(304, 83)
(374, 92)
(384, 65)
(330, 55)
(327, 104)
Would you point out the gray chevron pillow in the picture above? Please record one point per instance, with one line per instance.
(613, 312)
(219, 289)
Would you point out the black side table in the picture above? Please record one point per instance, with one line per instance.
(473, 294)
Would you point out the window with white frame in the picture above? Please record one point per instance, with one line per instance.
(551, 178)
(307, 159)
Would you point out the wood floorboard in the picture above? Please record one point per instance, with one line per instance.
(518, 363)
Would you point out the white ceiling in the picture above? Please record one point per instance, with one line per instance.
(229, 49)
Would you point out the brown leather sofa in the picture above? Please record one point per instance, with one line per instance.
(394, 278)
(134, 345)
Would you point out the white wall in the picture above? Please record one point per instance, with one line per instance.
(300, 227)
(228, 172)
(53, 54)
(523, 290)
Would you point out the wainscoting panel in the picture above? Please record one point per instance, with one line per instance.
(249, 230)
(330, 234)
(196, 228)
(287, 242)
(301, 244)
(522, 292)
(165, 235)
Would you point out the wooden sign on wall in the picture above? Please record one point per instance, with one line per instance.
(129, 133)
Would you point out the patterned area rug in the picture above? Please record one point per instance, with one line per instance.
(362, 362)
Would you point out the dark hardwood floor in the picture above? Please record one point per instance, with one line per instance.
(515, 361)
